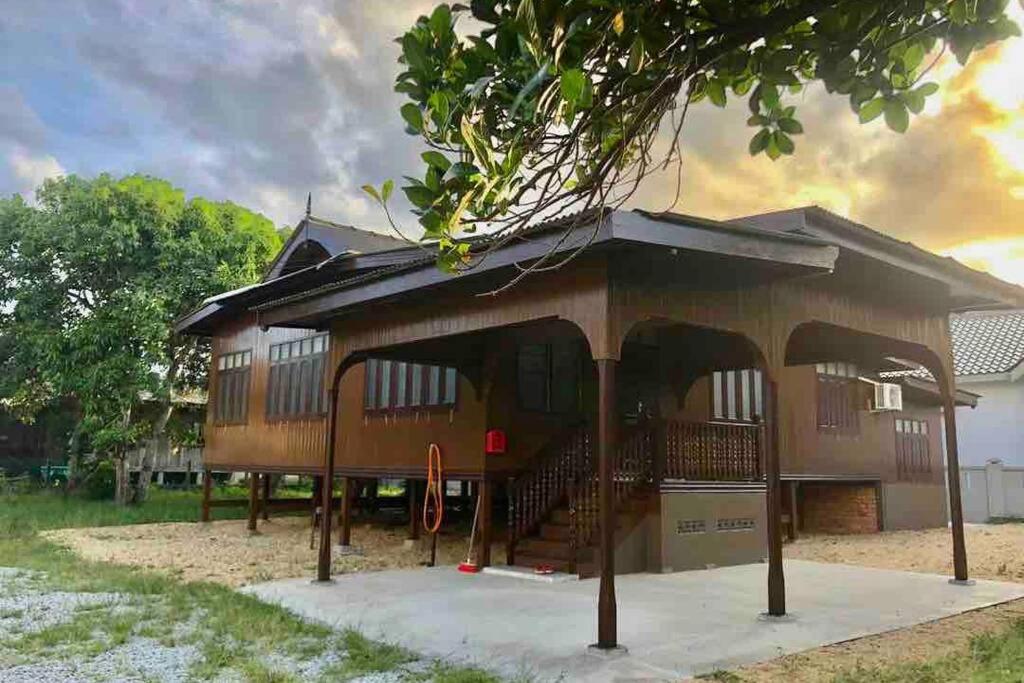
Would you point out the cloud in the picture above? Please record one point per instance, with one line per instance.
(31, 170)
(950, 180)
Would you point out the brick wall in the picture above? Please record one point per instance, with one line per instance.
(838, 508)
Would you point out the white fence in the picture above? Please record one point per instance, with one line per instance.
(992, 492)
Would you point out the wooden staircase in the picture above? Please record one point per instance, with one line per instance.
(554, 506)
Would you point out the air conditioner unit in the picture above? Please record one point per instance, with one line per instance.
(888, 396)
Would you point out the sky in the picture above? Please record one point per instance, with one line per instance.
(260, 102)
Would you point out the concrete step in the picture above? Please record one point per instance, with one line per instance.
(532, 561)
(540, 548)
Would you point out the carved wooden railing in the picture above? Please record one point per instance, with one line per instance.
(712, 452)
(544, 485)
(566, 471)
(632, 472)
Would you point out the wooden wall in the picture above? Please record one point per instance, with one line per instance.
(259, 444)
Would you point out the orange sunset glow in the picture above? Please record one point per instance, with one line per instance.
(954, 183)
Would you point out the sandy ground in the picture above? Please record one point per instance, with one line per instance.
(993, 552)
(225, 552)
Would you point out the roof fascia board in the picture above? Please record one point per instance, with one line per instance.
(882, 248)
(429, 275)
(196, 316)
(724, 239)
(981, 379)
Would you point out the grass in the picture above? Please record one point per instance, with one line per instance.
(991, 657)
(232, 631)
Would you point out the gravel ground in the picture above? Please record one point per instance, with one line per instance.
(225, 552)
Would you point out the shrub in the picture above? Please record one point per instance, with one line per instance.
(101, 482)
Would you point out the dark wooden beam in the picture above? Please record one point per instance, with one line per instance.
(254, 503)
(264, 508)
(773, 496)
(956, 514)
(204, 515)
(485, 498)
(794, 515)
(345, 515)
(412, 487)
(607, 620)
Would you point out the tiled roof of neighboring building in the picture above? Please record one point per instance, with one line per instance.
(987, 343)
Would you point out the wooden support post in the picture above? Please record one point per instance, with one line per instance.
(411, 488)
(345, 515)
(254, 502)
(607, 625)
(265, 507)
(794, 516)
(510, 524)
(956, 514)
(485, 490)
(323, 564)
(207, 483)
(773, 485)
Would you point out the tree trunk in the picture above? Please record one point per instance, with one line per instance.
(121, 479)
(160, 441)
(74, 459)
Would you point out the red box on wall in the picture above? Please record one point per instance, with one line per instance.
(494, 441)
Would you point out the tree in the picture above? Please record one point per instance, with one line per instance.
(554, 106)
(91, 281)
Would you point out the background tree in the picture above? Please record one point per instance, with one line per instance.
(91, 281)
(553, 106)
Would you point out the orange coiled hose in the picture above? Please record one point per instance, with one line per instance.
(433, 499)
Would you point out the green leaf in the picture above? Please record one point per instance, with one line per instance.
(531, 85)
(421, 197)
(716, 92)
(386, 189)
(437, 159)
(783, 142)
(573, 83)
(913, 57)
(441, 20)
(896, 116)
(927, 89)
(372, 191)
(438, 103)
(871, 110)
(772, 148)
(758, 120)
(791, 126)
(413, 116)
(759, 142)
(414, 52)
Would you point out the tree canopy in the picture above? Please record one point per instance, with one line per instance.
(550, 106)
(91, 280)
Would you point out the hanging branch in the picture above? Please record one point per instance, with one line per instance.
(554, 108)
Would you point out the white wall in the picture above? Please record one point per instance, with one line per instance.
(995, 429)
(992, 491)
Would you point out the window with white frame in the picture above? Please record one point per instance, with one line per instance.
(231, 402)
(295, 386)
(737, 395)
(392, 385)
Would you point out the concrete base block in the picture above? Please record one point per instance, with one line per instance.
(958, 582)
(777, 618)
(616, 652)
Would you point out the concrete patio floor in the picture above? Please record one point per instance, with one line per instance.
(673, 625)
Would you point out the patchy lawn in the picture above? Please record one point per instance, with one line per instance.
(65, 618)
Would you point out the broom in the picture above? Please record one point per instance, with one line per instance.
(469, 566)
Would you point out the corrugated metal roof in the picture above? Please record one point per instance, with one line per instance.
(986, 343)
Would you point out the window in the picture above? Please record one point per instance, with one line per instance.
(231, 404)
(398, 385)
(913, 457)
(737, 395)
(295, 387)
(837, 398)
(549, 377)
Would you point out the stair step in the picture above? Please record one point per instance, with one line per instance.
(532, 561)
(555, 532)
(538, 547)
